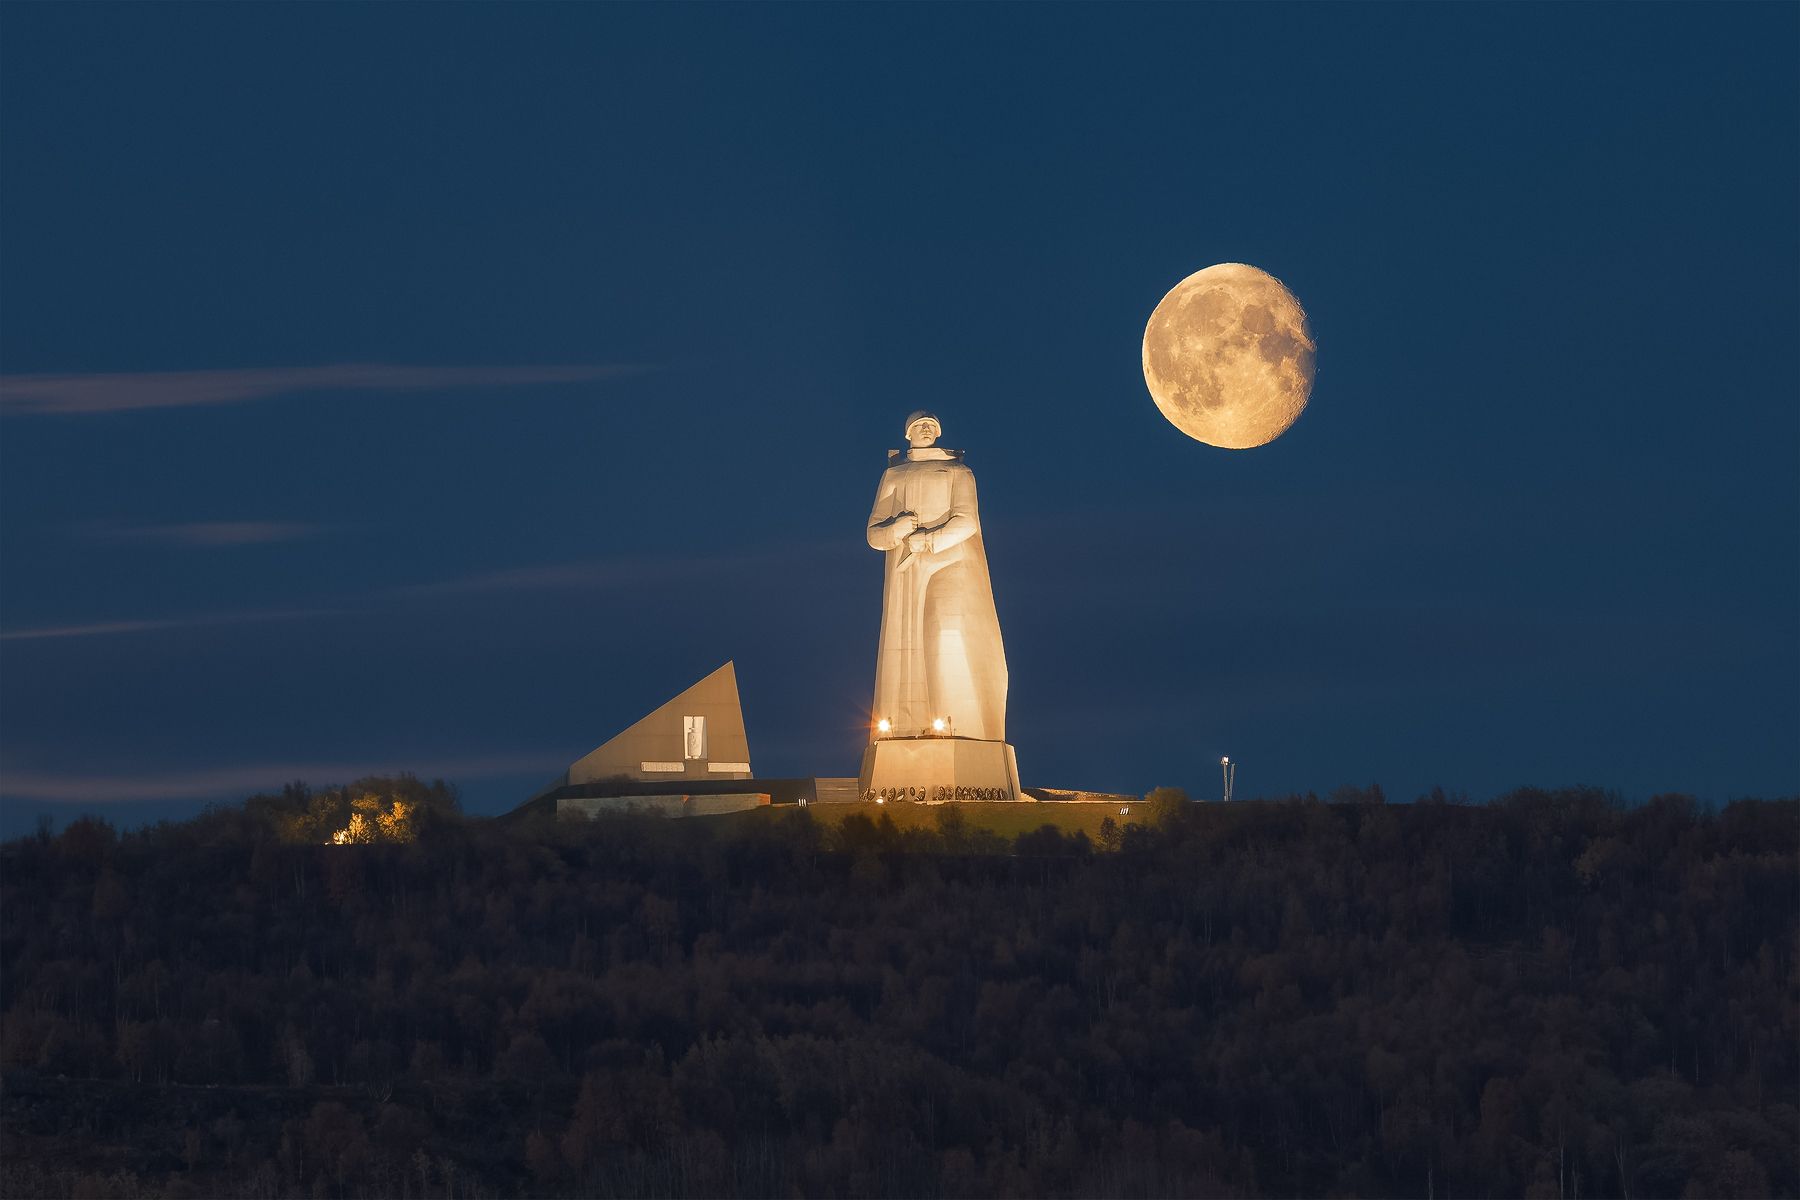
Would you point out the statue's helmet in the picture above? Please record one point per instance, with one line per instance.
(937, 426)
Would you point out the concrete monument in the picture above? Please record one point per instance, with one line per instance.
(938, 728)
(697, 735)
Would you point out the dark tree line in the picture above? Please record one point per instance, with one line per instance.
(1548, 996)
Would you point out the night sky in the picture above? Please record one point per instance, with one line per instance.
(440, 388)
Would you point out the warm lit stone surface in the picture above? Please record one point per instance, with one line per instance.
(941, 667)
(936, 770)
(667, 744)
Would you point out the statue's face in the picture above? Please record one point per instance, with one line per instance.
(922, 433)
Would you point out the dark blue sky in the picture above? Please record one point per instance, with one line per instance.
(1540, 523)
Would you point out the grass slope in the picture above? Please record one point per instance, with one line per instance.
(1008, 820)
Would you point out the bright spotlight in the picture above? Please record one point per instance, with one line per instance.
(884, 725)
(937, 725)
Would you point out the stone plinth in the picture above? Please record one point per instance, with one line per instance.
(933, 770)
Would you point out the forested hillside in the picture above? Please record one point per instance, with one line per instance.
(1551, 995)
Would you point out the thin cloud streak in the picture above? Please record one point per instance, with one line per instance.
(111, 628)
(41, 395)
(597, 574)
(210, 534)
(205, 784)
(590, 575)
(607, 574)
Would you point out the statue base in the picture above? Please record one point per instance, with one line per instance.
(938, 770)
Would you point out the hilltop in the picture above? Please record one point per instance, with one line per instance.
(1545, 995)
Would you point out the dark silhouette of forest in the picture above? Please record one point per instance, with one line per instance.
(1552, 995)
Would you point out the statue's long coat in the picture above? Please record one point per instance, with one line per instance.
(940, 650)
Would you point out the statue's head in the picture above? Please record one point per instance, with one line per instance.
(922, 429)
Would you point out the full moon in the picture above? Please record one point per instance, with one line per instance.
(1228, 356)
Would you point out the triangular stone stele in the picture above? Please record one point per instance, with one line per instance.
(699, 734)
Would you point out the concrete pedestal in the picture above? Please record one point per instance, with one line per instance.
(933, 770)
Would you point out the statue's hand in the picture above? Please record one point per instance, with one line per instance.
(903, 524)
(919, 541)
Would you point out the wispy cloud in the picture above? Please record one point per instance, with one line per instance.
(112, 628)
(808, 559)
(596, 574)
(22, 395)
(207, 534)
(641, 571)
(213, 782)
